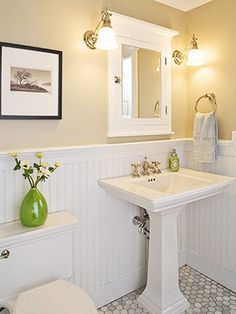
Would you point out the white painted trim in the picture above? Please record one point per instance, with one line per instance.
(119, 288)
(212, 270)
(184, 5)
(73, 154)
(140, 24)
(120, 134)
(94, 148)
(226, 148)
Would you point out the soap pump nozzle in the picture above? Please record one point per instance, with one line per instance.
(173, 152)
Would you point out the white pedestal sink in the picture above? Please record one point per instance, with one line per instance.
(164, 196)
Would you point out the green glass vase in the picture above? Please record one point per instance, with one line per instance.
(33, 209)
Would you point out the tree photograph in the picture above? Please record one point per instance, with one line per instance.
(30, 80)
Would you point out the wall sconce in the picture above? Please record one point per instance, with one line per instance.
(103, 38)
(191, 53)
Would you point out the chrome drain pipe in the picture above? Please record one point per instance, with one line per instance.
(141, 223)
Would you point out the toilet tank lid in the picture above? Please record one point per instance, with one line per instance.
(14, 232)
(55, 297)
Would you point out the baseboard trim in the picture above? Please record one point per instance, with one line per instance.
(211, 270)
(116, 289)
(125, 285)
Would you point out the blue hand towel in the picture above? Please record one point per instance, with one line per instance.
(205, 137)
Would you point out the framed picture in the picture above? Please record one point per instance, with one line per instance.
(30, 82)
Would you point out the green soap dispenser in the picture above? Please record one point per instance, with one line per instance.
(173, 161)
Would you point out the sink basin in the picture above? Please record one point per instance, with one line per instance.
(167, 189)
(164, 196)
(173, 183)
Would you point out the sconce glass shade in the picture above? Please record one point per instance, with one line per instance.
(106, 39)
(195, 57)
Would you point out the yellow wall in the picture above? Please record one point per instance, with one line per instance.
(60, 24)
(215, 26)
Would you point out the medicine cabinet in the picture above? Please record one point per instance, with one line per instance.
(140, 78)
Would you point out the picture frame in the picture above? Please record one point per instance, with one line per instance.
(30, 82)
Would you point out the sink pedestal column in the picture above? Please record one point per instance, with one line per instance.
(162, 294)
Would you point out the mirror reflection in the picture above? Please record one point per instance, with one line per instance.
(141, 82)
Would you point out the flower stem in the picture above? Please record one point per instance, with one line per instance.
(37, 181)
(30, 182)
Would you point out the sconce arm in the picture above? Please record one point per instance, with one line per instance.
(186, 50)
(179, 56)
(105, 18)
(90, 37)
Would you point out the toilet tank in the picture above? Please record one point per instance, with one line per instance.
(37, 255)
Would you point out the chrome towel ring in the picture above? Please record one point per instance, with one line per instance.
(211, 97)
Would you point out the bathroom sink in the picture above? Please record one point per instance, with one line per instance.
(173, 183)
(168, 189)
(164, 196)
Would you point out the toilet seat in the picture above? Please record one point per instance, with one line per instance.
(57, 297)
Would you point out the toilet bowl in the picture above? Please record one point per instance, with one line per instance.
(31, 283)
(57, 297)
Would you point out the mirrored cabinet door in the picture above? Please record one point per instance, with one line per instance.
(141, 81)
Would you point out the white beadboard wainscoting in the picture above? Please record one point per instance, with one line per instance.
(211, 223)
(111, 255)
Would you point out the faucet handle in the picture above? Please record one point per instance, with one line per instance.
(155, 167)
(135, 172)
(156, 163)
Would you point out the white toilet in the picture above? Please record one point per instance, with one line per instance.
(37, 275)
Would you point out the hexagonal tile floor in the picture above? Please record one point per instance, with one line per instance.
(204, 295)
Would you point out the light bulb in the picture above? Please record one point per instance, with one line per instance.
(195, 57)
(106, 39)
